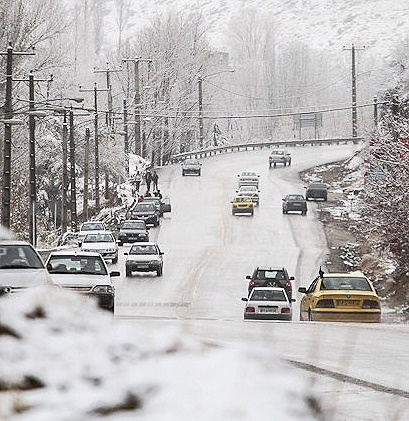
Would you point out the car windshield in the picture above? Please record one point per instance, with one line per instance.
(277, 153)
(270, 274)
(143, 249)
(19, 256)
(92, 226)
(144, 207)
(191, 162)
(76, 265)
(242, 199)
(345, 283)
(295, 197)
(317, 186)
(267, 295)
(248, 174)
(99, 238)
(136, 225)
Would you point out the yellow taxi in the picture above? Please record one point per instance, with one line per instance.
(242, 204)
(340, 297)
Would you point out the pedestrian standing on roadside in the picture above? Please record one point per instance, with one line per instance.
(155, 179)
(148, 179)
(137, 181)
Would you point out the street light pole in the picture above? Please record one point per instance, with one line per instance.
(72, 174)
(64, 175)
(126, 140)
(33, 185)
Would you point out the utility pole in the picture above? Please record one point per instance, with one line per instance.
(32, 220)
(108, 71)
(201, 135)
(95, 90)
(64, 175)
(375, 112)
(354, 101)
(126, 139)
(139, 144)
(8, 115)
(72, 174)
(86, 175)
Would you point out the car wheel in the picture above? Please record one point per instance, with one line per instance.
(199, 173)
(269, 165)
(309, 315)
(289, 162)
(275, 164)
(159, 272)
(232, 212)
(183, 173)
(128, 272)
(157, 222)
(120, 243)
(325, 199)
(304, 212)
(285, 163)
(252, 213)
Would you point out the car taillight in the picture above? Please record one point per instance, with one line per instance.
(327, 303)
(370, 304)
(251, 284)
(288, 285)
(285, 310)
(250, 309)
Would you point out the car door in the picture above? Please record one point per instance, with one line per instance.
(307, 299)
(165, 204)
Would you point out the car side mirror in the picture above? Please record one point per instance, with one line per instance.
(248, 277)
(161, 253)
(114, 273)
(244, 299)
(292, 278)
(126, 253)
(302, 290)
(293, 300)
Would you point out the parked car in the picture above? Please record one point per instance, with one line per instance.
(251, 191)
(268, 303)
(132, 231)
(340, 297)
(248, 178)
(103, 243)
(242, 204)
(21, 267)
(144, 257)
(90, 227)
(271, 277)
(163, 205)
(83, 272)
(279, 156)
(295, 203)
(191, 166)
(147, 211)
(316, 191)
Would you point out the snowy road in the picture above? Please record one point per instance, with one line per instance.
(208, 253)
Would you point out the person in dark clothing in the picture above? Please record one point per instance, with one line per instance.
(137, 181)
(158, 194)
(148, 179)
(155, 179)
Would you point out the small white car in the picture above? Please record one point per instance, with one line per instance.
(279, 156)
(144, 257)
(85, 273)
(248, 178)
(268, 303)
(251, 191)
(103, 243)
(90, 227)
(21, 267)
(191, 166)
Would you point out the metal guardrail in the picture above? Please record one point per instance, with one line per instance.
(260, 145)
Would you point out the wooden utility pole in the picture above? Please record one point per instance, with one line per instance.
(8, 115)
(86, 175)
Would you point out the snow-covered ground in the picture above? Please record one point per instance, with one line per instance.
(61, 358)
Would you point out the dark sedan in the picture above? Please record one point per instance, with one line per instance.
(132, 231)
(295, 203)
(146, 211)
(316, 191)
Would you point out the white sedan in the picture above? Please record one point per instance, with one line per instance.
(248, 178)
(268, 303)
(103, 243)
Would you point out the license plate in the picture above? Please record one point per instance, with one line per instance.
(268, 310)
(347, 303)
(143, 266)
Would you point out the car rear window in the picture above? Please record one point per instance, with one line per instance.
(345, 283)
(270, 274)
(19, 256)
(133, 225)
(267, 295)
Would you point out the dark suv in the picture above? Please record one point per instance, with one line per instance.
(271, 277)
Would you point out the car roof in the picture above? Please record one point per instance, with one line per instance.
(345, 275)
(269, 268)
(5, 242)
(144, 243)
(73, 253)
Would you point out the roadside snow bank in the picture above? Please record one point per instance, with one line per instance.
(64, 359)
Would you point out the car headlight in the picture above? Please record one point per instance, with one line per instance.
(154, 262)
(107, 289)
